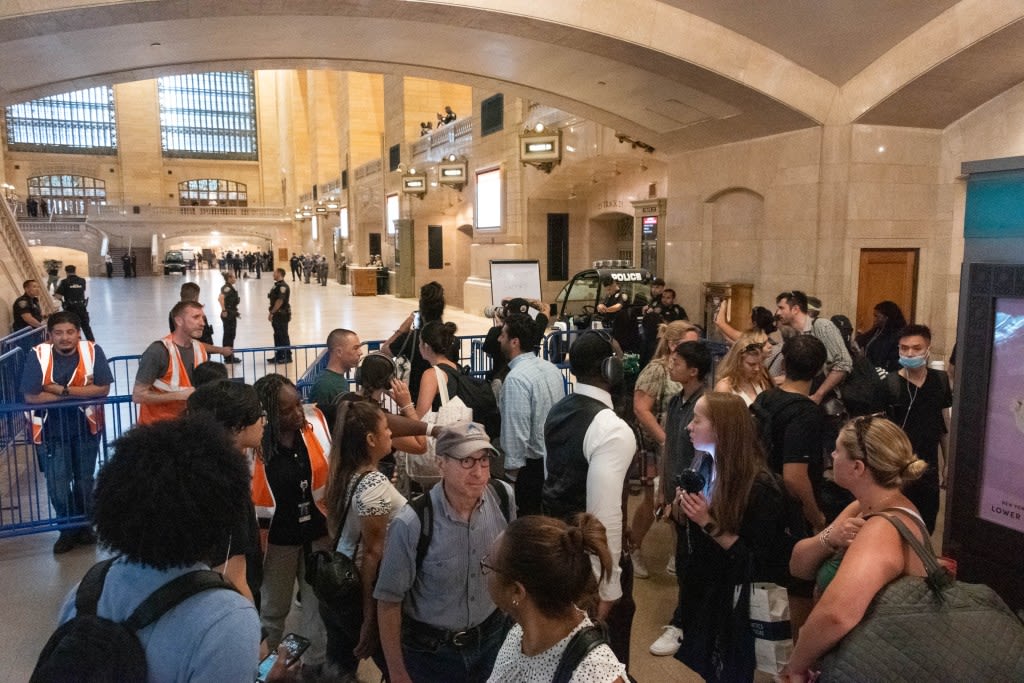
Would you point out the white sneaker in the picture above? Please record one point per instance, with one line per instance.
(639, 568)
(668, 642)
(670, 568)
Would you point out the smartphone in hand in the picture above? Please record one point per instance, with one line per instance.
(295, 644)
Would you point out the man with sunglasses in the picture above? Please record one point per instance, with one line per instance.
(436, 618)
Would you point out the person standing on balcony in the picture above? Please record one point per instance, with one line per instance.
(67, 369)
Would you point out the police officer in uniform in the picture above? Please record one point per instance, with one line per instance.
(27, 312)
(280, 315)
(229, 300)
(71, 291)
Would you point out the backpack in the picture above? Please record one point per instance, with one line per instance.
(90, 648)
(477, 394)
(585, 640)
(766, 421)
(424, 509)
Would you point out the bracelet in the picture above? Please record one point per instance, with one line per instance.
(406, 407)
(823, 538)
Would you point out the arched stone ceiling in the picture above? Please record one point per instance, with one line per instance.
(660, 70)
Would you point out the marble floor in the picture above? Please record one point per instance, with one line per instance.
(126, 316)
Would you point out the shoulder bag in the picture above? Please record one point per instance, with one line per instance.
(930, 629)
(422, 468)
(332, 574)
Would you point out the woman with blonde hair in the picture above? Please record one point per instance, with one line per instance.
(652, 392)
(742, 370)
(540, 571)
(858, 554)
(736, 524)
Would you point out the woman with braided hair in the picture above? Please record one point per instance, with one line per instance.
(289, 484)
(541, 571)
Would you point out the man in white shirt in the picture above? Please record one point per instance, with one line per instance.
(589, 450)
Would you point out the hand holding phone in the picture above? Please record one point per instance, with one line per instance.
(284, 664)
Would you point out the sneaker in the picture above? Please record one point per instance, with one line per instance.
(668, 642)
(670, 568)
(65, 543)
(85, 536)
(639, 568)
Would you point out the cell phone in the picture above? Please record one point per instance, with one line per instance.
(415, 320)
(296, 645)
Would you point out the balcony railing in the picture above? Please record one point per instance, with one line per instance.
(122, 212)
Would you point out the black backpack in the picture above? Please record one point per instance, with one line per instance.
(424, 509)
(765, 420)
(477, 394)
(92, 649)
(585, 640)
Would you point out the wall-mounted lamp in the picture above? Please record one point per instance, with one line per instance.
(320, 208)
(414, 183)
(540, 148)
(453, 171)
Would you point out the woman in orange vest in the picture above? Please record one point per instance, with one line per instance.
(289, 482)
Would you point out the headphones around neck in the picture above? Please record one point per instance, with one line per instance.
(611, 366)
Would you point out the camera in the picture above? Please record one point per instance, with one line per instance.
(492, 311)
(691, 481)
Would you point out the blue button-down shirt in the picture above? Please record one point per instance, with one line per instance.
(532, 386)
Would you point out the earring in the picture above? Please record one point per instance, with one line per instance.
(515, 603)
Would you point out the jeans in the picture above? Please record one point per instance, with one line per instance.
(429, 660)
(343, 627)
(283, 565)
(70, 467)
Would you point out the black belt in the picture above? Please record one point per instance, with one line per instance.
(469, 637)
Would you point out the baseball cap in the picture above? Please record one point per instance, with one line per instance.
(462, 439)
(517, 305)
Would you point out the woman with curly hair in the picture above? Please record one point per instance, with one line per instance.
(361, 502)
(167, 504)
(742, 370)
(541, 571)
(289, 482)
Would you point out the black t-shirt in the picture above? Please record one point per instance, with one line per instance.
(797, 426)
(286, 472)
(26, 304)
(924, 425)
(280, 291)
(72, 288)
(231, 298)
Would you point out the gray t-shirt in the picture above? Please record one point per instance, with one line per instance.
(154, 361)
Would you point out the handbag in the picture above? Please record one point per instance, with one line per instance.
(332, 574)
(769, 620)
(422, 468)
(403, 363)
(930, 629)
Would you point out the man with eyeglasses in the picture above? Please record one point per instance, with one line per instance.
(436, 619)
(589, 450)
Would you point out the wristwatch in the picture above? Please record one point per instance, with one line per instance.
(709, 528)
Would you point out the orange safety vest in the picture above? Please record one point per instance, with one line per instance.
(317, 438)
(174, 379)
(82, 377)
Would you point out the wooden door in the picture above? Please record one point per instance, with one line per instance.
(886, 274)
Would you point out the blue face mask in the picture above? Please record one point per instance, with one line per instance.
(912, 362)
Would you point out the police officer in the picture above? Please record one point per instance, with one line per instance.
(280, 315)
(229, 313)
(71, 291)
(27, 312)
(614, 300)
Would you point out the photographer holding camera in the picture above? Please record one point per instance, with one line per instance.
(491, 345)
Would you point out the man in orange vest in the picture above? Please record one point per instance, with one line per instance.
(67, 369)
(163, 381)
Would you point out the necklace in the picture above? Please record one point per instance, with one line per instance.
(881, 505)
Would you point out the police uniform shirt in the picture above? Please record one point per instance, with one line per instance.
(72, 288)
(618, 297)
(231, 299)
(280, 291)
(26, 304)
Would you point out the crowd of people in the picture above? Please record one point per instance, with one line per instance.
(501, 569)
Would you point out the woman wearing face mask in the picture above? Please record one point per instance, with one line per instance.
(736, 528)
(918, 399)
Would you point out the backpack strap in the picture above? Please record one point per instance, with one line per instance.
(88, 595)
(172, 593)
(585, 640)
(424, 509)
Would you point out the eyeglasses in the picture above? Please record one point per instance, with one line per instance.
(860, 430)
(486, 569)
(468, 463)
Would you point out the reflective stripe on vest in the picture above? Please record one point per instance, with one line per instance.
(316, 437)
(174, 379)
(81, 377)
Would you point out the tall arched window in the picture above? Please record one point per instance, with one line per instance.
(67, 195)
(208, 116)
(79, 122)
(212, 192)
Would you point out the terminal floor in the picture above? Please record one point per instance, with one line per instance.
(127, 314)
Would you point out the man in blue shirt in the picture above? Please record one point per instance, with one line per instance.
(67, 369)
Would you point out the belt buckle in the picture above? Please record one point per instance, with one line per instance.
(457, 638)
